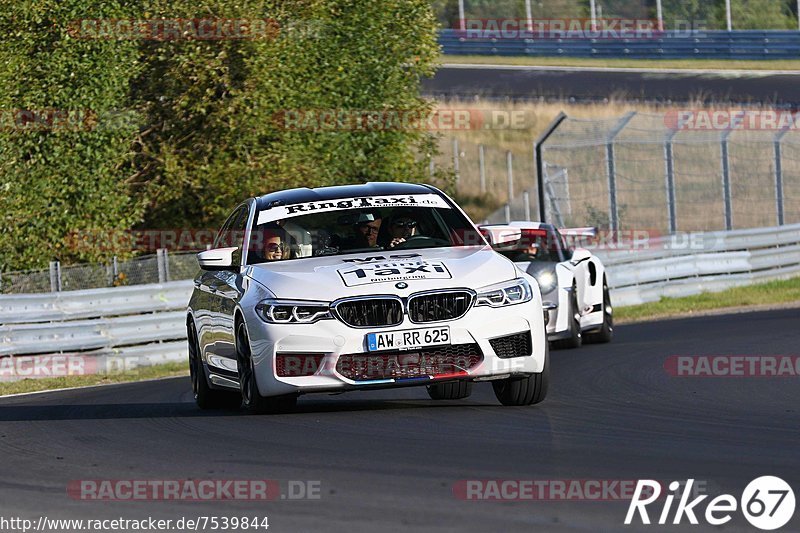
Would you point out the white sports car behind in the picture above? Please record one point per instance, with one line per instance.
(573, 282)
(360, 287)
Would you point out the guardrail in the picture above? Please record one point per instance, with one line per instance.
(119, 328)
(710, 261)
(92, 303)
(705, 44)
(146, 322)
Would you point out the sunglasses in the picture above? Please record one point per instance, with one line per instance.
(405, 224)
(274, 247)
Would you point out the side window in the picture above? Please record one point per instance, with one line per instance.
(232, 233)
(223, 236)
(237, 233)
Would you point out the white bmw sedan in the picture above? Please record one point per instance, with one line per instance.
(360, 287)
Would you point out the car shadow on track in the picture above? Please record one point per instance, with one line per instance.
(18, 413)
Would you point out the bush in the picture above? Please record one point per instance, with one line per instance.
(209, 132)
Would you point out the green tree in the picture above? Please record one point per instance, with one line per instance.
(215, 107)
(208, 132)
(61, 178)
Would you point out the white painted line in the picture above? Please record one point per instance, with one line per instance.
(718, 72)
(46, 391)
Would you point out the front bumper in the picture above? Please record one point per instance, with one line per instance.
(339, 345)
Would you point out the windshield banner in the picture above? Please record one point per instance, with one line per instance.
(281, 212)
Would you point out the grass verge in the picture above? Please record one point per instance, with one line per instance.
(768, 293)
(139, 374)
(679, 64)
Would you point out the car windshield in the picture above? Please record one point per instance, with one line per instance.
(534, 245)
(352, 225)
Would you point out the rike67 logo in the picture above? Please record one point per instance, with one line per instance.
(767, 503)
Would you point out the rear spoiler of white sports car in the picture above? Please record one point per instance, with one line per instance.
(500, 234)
(579, 232)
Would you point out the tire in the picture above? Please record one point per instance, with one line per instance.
(606, 331)
(251, 399)
(575, 338)
(204, 396)
(455, 390)
(525, 390)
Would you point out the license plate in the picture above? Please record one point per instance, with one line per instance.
(407, 339)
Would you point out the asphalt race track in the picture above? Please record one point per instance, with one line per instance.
(584, 84)
(388, 461)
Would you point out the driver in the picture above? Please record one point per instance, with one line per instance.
(367, 227)
(402, 227)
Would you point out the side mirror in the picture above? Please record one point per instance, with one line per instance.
(216, 259)
(579, 255)
(501, 236)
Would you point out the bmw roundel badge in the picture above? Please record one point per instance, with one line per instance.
(401, 285)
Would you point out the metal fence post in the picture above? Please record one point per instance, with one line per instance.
(55, 276)
(726, 180)
(779, 175)
(482, 166)
(163, 267)
(507, 212)
(431, 166)
(670, 178)
(613, 217)
(510, 174)
(455, 159)
(112, 271)
(166, 265)
(537, 150)
(526, 204)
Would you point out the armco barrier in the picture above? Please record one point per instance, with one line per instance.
(705, 44)
(89, 303)
(145, 323)
(140, 325)
(716, 261)
(91, 334)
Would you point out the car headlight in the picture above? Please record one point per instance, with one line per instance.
(512, 292)
(292, 311)
(547, 280)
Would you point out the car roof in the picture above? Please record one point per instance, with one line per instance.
(304, 194)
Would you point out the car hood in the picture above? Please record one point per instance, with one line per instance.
(400, 272)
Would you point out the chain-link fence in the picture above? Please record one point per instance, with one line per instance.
(645, 171)
(158, 268)
(661, 172)
(488, 177)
